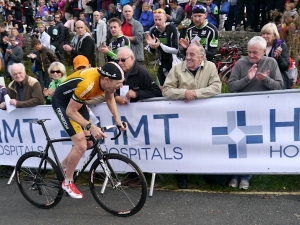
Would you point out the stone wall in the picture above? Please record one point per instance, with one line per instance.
(240, 38)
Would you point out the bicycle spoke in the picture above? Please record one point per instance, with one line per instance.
(126, 190)
(41, 189)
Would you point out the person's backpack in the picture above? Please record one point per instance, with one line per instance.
(222, 180)
(124, 2)
(293, 71)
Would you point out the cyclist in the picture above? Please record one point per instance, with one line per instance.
(202, 31)
(68, 103)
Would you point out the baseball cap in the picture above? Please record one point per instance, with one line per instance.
(111, 70)
(173, 1)
(50, 18)
(80, 61)
(40, 24)
(202, 2)
(199, 9)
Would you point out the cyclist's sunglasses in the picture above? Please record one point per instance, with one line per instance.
(159, 11)
(199, 8)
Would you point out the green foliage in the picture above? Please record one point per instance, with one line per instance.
(258, 183)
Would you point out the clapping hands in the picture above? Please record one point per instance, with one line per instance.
(153, 41)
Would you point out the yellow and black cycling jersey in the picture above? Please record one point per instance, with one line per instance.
(80, 86)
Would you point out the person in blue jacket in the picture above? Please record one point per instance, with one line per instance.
(212, 12)
(146, 18)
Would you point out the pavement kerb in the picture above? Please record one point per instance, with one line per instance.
(231, 192)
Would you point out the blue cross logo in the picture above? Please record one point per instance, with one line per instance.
(237, 135)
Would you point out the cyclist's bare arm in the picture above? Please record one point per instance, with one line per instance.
(72, 112)
(111, 104)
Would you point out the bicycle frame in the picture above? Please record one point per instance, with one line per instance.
(96, 149)
(40, 175)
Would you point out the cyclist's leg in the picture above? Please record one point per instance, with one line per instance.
(77, 135)
(78, 149)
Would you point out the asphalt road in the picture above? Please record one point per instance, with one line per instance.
(165, 207)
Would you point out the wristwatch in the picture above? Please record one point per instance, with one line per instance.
(88, 126)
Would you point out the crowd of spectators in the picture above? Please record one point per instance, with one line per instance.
(171, 28)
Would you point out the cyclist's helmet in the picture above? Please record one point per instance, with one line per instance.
(112, 70)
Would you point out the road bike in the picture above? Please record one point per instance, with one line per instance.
(117, 184)
(226, 59)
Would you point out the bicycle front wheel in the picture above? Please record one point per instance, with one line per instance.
(42, 189)
(124, 191)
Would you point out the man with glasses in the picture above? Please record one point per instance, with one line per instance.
(164, 38)
(202, 31)
(69, 104)
(14, 54)
(99, 34)
(194, 78)
(140, 81)
(118, 40)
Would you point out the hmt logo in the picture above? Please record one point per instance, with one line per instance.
(237, 135)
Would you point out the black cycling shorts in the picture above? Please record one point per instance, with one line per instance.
(70, 126)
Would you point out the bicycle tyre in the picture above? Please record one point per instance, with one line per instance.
(45, 191)
(129, 196)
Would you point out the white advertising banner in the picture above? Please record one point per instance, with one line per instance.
(226, 134)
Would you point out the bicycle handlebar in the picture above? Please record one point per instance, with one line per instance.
(103, 129)
(91, 137)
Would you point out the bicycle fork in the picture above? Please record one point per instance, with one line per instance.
(108, 170)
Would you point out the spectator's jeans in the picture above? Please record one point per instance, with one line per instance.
(232, 16)
(100, 58)
(40, 78)
(59, 52)
(137, 13)
(2, 60)
(163, 69)
(249, 10)
(89, 19)
(242, 177)
(29, 21)
(155, 6)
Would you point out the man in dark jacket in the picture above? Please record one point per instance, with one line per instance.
(83, 44)
(44, 57)
(61, 36)
(28, 12)
(54, 34)
(14, 54)
(140, 81)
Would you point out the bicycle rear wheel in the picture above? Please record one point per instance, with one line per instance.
(42, 189)
(128, 192)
